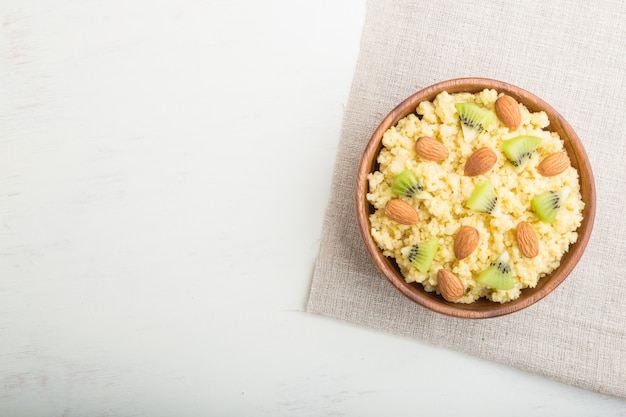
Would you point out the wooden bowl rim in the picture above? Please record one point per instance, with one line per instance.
(483, 308)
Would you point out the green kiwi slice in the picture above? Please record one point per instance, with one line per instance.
(483, 199)
(498, 275)
(421, 254)
(519, 149)
(474, 119)
(547, 204)
(406, 184)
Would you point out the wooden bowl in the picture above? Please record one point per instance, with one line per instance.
(482, 308)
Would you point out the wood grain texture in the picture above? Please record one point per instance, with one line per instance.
(482, 308)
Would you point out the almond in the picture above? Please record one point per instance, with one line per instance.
(402, 212)
(527, 240)
(507, 110)
(465, 242)
(480, 162)
(450, 285)
(553, 164)
(431, 149)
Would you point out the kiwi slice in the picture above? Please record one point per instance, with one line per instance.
(406, 184)
(548, 203)
(474, 119)
(519, 149)
(483, 198)
(497, 275)
(421, 254)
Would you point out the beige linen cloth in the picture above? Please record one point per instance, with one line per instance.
(571, 54)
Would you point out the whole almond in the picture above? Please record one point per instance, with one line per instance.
(553, 164)
(527, 240)
(431, 149)
(465, 242)
(402, 212)
(480, 162)
(450, 285)
(507, 110)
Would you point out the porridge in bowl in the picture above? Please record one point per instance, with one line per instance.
(474, 197)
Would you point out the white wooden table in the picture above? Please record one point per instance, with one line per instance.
(164, 172)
